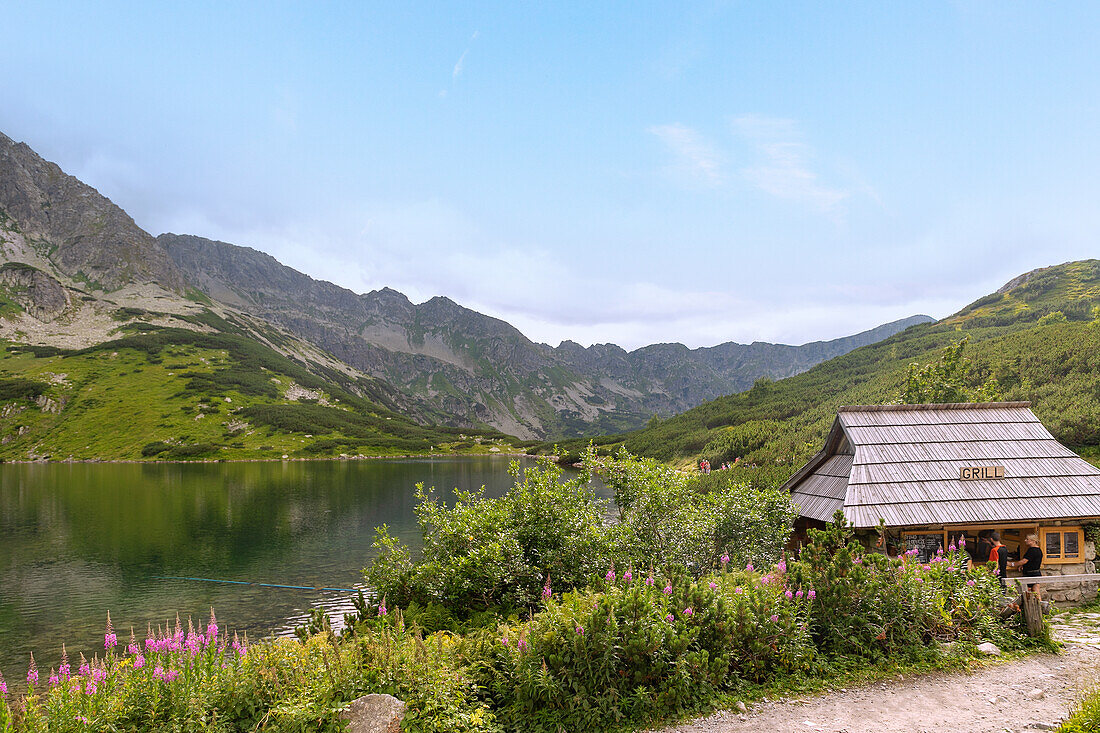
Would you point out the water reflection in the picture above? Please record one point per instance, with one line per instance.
(77, 540)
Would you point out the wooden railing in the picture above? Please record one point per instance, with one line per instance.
(1028, 601)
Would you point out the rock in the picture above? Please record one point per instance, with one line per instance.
(993, 700)
(1036, 694)
(742, 707)
(989, 649)
(1040, 726)
(374, 714)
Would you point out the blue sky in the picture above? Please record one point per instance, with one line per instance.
(623, 172)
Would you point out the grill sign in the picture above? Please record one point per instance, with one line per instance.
(975, 473)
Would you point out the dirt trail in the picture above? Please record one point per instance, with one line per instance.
(1025, 695)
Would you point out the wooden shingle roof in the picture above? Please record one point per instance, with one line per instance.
(901, 463)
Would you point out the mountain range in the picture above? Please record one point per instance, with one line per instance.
(78, 271)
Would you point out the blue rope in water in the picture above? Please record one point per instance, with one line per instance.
(247, 582)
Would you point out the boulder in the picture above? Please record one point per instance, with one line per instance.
(989, 649)
(374, 714)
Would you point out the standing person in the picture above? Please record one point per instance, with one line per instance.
(1031, 562)
(998, 554)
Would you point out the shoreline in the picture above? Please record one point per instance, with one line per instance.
(288, 459)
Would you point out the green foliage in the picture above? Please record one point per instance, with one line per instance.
(485, 553)
(19, 388)
(736, 441)
(946, 380)
(155, 448)
(640, 649)
(1084, 718)
(670, 517)
(878, 607)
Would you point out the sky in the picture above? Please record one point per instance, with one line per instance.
(625, 172)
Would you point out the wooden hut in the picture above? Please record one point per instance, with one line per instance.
(931, 472)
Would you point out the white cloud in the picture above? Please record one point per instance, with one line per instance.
(694, 155)
(783, 163)
(459, 65)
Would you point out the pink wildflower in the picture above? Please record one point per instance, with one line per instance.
(546, 592)
(505, 642)
(212, 626)
(781, 567)
(858, 560)
(90, 688)
(668, 589)
(521, 644)
(139, 661)
(649, 580)
(628, 576)
(749, 567)
(689, 611)
(580, 630)
(669, 618)
(951, 547)
(110, 641)
(713, 585)
(798, 594)
(812, 594)
(739, 590)
(610, 577)
(84, 669)
(158, 672)
(63, 670)
(3, 685)
(725, 559)
(32, 672)
(775, 619)
(970, 582)
(54, 679)
(789, 594)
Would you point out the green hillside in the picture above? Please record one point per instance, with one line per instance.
(1039, 337)
(181, 395)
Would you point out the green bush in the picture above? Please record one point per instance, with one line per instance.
(483, 553)
(638, 648)
(155, 448)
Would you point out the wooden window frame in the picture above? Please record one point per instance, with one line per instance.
(1062, 559)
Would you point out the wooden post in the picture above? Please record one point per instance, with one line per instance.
(1033, 613)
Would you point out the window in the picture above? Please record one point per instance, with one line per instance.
(1061, 544)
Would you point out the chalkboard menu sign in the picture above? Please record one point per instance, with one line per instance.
(925, 544)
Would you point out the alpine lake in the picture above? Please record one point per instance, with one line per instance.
(145, 540)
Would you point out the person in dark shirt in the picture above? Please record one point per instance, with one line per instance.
(1031, 562)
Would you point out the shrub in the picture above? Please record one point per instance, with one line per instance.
(670, 517)
(483, 553)
(155, 448)
(633, 649)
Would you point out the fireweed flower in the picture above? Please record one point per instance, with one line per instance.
(3, 685)
(689, 611)
(63, 670)
(951, 547)
(54, 679)
(628, 576)
(788, 594)
(749, 567)
(713, 585)
(504, 641)
(84, 669)
(739, 590)
(725, 559)
(668, 589)
(580, 630)
(812, 594)
(669, 618)
(649, 580)
(132, 647)
(158, 672)
(110, 641)
(212, 626)
(32, 672)
(970, 582)
(798, 593)
(781, 567)
(522, 644)
(382, 608)
(546, 592)
(610, 577)
(139, 661)
(90, 688)
(775, 619)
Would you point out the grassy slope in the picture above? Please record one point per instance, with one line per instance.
(1019, 337)
(201, 396)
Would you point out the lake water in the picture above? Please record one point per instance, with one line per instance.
(77, 540)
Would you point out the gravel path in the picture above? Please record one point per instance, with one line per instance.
(1029, 694)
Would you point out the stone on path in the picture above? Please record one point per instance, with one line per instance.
(989, 648)
(374, 714)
